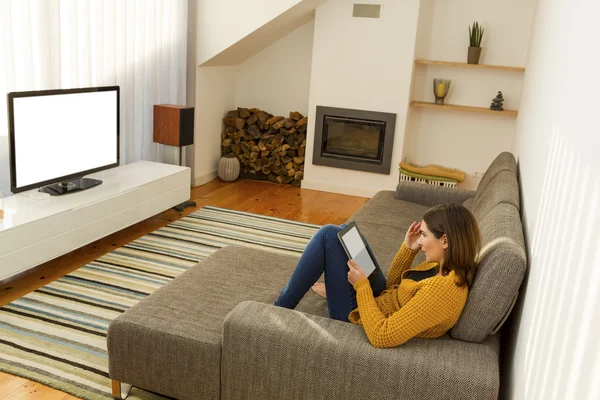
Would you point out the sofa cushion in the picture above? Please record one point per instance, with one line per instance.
(499, 274)
(431, 195)
(503, 188)
(468, 203)
(385, 209)
(170, 342)
(504, 162)
(274, 353)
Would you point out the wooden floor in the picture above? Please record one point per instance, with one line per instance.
(282, 201)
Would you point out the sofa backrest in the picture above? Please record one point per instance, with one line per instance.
(503, 188)
(502, 261)
(504, 162)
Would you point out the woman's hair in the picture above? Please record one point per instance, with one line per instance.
(464, 239)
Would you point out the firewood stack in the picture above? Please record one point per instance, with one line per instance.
(268, 147)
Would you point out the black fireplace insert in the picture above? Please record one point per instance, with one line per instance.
(354, 139)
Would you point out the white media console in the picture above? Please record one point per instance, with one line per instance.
(35, 231)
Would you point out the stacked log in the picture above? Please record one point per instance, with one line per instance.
(268, 147)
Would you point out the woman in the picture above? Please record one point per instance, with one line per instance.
(425, 301)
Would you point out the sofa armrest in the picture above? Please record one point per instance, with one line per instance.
(430, 195)
(275, 353)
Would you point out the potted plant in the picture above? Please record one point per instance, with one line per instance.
(475, 36)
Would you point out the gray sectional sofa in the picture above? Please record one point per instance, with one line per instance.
(213, 332)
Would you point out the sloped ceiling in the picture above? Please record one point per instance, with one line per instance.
(265, 35)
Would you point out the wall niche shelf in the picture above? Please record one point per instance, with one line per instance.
(481, 110)
(465, 65)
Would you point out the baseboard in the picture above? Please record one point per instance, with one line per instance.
(202, 179)
(341, 189)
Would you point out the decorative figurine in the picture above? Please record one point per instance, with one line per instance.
(497, 103)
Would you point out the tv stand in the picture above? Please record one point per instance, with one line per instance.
(72, 186)
(35, 231)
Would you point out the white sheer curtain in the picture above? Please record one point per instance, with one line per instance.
(140, 45)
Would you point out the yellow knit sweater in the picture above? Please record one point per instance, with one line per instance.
(407, 309)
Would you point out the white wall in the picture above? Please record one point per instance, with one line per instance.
(215, 95)
(467, 141)
(363, 64)
(277, 79)
(507, 29)
(553, 349)
(188, 154)
(221, 23)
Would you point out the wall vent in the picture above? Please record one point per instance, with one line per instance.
(366, 11)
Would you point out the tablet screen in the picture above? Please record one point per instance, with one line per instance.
(358, 251)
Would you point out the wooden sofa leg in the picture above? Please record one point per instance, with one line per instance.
(116, 389)
(117, 393)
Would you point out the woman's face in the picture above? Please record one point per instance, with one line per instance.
(432, 247)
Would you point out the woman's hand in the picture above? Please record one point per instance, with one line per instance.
(412, 236)
(355, 273)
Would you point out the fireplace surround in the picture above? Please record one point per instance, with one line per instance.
(354, 139)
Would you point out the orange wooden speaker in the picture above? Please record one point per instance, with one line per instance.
(173, 125)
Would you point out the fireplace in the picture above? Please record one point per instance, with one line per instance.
(354, 139)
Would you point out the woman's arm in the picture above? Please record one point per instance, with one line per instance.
(433, 303)
(405, 255)
(402, 261)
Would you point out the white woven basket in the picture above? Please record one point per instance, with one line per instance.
(228, 168)
(427, 181)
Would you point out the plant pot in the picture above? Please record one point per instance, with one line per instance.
(474, 53)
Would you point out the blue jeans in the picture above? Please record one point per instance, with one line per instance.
(324, 253)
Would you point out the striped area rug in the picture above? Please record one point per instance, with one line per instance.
(56, 335)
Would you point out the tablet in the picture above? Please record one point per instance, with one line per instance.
(356, 248)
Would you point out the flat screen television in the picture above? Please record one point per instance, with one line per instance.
(58, 136)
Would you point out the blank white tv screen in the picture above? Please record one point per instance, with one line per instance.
(63, 134)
